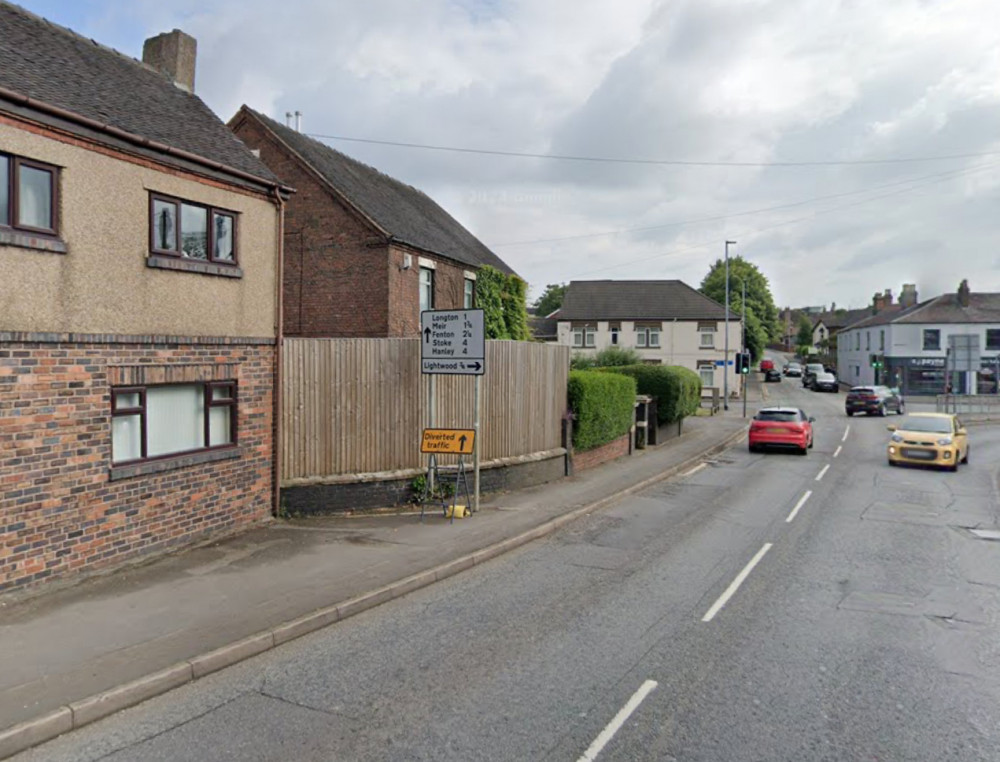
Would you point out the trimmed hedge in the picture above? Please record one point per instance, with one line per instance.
(677, 390)
(604, 405)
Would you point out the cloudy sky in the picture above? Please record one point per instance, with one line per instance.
(847, 146)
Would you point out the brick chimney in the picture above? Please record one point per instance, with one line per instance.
(888, 297)
(172, 54)
(909, 296)
(878, 303)
(963, 293)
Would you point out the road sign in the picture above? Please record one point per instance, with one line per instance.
(453, 441)
(452, 342)
(964, 351)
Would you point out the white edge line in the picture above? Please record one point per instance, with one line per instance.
(795, 510)
(694, 470)
(846, 432)
(735, 584)
(822, 472)
(619, 719)
(837, 451)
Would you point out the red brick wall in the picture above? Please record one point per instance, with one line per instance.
(336, 263)
(602, 454)
(60, 511)
(342, 277)
(404, 290)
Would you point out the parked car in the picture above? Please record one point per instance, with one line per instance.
(781, 427)
(877, 400)
(793, 369)
(825, 382)
(772, 375)
(810, 371)
(932, 439)
(766, 364)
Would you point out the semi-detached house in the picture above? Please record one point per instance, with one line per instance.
(139, 251)
(666, 321)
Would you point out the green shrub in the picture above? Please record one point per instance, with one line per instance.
(603, 404)
(677, 390)
(581, 361)
(614, 356)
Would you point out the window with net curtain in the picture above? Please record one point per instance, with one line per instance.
(163, 420)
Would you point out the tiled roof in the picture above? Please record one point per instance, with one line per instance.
(400, 210)
(983, 308)
(842, 318)
(638, 300)
(48, 63)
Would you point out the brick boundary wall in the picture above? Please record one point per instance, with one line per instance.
(610, 451)
(63, 510)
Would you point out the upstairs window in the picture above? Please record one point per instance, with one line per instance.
(932, 339)
(470, 294)
(28, 195)
(426, 289)
(647, 336)
(192, 231)
(584, 336)
(993, 338)
(706, 335)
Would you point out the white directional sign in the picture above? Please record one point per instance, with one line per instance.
(452, 342)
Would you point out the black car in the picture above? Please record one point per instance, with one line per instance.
(772, 375)
(793, 369)
(873, 400)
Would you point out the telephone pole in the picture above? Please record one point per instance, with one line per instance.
(725, 364)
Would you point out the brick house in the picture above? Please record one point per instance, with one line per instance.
(139, 246)
(364, 253)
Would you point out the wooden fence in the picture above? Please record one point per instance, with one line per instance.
(354, 408)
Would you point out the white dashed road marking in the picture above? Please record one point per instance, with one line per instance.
(613, 727)
(837, 451)
(735, 585)
(846, 432)
(694, 470)
(822, 472)
(798, 505)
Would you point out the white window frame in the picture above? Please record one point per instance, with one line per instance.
(576, 335)
(590, 337)
(426, 288)
(647, 336)
(710, 370)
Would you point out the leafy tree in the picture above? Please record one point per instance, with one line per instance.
(762, 326)
(551, 299)
(515, 313)
(804, 338)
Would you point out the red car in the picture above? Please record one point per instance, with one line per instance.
(781, 427)
(766, 365)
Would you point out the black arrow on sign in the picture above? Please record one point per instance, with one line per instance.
(461, 443)
(427, 335)
(475, 365)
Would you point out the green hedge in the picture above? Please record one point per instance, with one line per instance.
(677, 390)
(603, 404)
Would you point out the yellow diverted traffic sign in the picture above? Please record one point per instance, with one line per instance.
(448, 441)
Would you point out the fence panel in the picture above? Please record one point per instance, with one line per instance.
(357, 406)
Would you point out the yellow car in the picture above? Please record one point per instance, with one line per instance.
(930, 439)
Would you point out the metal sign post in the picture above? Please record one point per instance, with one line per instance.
(453, 343)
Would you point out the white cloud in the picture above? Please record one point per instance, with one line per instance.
(714, 80)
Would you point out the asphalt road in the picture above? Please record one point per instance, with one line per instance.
(762, 607)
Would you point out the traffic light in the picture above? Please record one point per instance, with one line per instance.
(746, 362)
(742, 362)
(876, 361)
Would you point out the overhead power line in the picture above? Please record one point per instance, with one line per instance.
(654, 162)
(784, 223)
(745, 213)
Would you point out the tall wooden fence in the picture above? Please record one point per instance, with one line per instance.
(356, 407)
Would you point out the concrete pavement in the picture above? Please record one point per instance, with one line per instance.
(71, 656)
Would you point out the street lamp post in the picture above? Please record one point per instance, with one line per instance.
(744, 349)
(725, 364)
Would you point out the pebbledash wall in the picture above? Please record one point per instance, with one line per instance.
(92, 314)
(65, 508)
